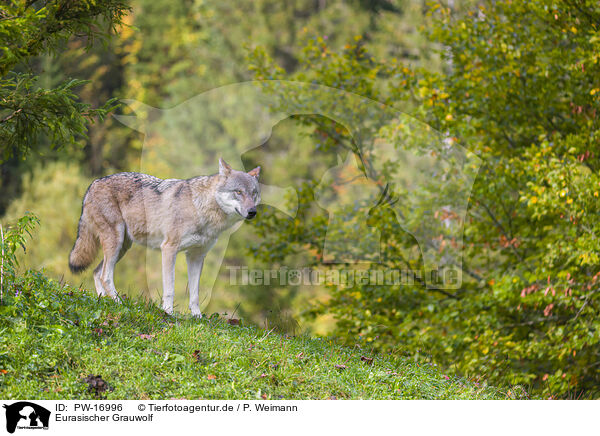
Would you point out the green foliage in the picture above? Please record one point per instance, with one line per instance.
(29, 29)
(11, 239)
(524, 82)
(32, 112)
(521, 90)
(54, 193)
(53, 335)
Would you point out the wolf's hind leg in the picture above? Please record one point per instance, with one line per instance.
(112, 245)
(124, 247)
(98, 280)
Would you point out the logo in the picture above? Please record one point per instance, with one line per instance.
(391, 162)
(26, 415)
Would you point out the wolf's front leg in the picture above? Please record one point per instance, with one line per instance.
(169, 254)
(195, 261)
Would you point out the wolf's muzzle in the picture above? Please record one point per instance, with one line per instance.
(251, 213)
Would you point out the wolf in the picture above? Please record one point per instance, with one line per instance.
(172, 215)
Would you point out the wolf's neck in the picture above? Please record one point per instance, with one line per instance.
(203, 196)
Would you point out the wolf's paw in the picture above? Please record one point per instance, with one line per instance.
(196, 312)
(117, 298)
(168, 309)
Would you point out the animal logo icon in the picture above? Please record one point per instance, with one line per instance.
(25, 414)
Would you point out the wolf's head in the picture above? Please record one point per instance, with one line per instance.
(238, 192)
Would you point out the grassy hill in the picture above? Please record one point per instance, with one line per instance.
(55, 340)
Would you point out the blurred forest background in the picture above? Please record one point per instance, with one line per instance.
(516, 83)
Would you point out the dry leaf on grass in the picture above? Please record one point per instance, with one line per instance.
(367, 360)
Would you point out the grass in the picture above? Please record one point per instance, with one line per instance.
(53, 337)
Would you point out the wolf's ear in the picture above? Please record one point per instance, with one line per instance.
(255, 172)
(224, 167)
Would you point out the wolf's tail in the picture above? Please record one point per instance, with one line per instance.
(85, 248)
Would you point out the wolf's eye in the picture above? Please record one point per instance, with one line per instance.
(237, 192)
